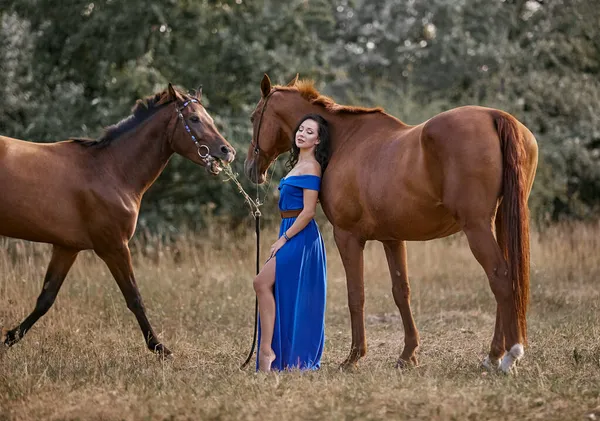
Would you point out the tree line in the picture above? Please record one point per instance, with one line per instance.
(71, 68)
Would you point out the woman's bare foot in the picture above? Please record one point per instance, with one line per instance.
(265, 359)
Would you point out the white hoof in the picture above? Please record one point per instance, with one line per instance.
(489, 364)
(512, 356)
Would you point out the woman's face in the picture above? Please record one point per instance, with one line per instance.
(307, 135)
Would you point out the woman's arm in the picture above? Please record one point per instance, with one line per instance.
(308, 212)
(305, 216)
(310, 198)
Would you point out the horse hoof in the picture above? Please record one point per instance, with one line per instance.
(490, 365)
(348, 365)
(163, 352)
(402, 364)
(507, 365)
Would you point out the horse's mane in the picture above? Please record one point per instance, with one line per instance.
(307, 89)
(141, 111)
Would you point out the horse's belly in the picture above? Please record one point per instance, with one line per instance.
(385, 219)
(16, 229)
(413, 225)
(40, 227)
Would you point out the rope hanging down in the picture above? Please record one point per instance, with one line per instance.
(256, 214)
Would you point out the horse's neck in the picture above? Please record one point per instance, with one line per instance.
(139, 156)
(340, 128)
(345, 128)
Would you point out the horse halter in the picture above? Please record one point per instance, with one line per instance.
(257, 149)
(256, 145)
(187, 128)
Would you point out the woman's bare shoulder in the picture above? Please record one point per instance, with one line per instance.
(311, 168)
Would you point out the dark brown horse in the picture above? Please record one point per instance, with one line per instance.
(463, 169)
(85, 194)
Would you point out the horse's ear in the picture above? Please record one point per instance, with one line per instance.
(199, 93)
(265, 85)
(294, 80)
(172, 93)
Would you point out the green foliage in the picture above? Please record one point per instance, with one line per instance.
(71, 68)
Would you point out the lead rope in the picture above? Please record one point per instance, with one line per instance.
(256, 214)
(254, 207)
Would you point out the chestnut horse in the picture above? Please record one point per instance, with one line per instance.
(83, 194)
(388, 181)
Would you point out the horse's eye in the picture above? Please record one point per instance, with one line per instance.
(195, 118)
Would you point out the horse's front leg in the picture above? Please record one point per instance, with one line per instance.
(351, 251)
(395, 252)
(118, 261)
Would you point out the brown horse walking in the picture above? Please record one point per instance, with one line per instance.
(84, 194)
(463, 169)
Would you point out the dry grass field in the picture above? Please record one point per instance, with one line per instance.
(86, 360)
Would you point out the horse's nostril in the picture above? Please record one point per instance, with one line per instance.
(225, 149)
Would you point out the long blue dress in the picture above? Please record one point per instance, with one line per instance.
(300, 286)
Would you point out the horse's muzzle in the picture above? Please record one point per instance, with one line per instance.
(252, 173)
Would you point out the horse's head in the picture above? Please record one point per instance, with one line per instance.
(194, 134)
(269, 136)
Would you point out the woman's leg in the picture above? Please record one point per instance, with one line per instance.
(263, 285)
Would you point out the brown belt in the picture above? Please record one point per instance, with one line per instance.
(290, 213)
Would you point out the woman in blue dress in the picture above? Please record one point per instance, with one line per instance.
(291, 287)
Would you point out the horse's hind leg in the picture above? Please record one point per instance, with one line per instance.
(60, 263)
(487, 252)
(395, 252)
(492, 361)
(118, 261)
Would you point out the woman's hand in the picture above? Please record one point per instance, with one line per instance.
(277, 245)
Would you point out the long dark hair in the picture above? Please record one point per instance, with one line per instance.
(322, 150)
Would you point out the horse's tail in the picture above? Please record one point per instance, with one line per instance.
(512, 220)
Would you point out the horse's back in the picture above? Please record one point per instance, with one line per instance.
(470, 133)
(40, 184)
(4, 146)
